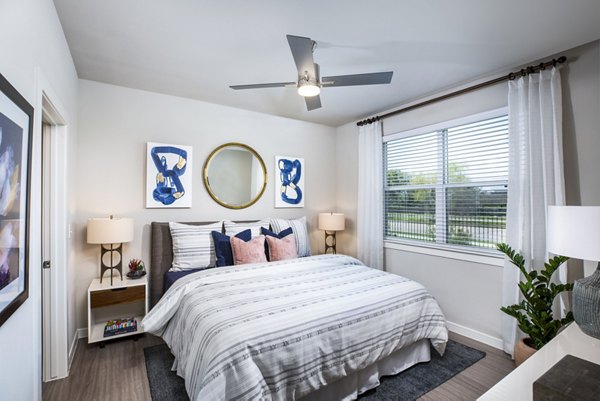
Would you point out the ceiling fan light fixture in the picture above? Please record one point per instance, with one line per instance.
(308, 88)
(309, 81)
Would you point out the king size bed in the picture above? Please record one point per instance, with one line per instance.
(320, 327)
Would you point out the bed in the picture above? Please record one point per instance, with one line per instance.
(316, 328)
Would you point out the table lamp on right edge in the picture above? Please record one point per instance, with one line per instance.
(331, 222)
(574, 231)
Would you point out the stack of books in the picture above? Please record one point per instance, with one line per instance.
(120, 326)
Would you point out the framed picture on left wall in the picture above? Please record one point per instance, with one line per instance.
(168, 176)
(16, 127)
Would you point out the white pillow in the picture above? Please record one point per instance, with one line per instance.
(193, 246)
(232, 228)
(299, 230)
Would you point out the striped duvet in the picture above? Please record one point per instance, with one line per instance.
(280, 330)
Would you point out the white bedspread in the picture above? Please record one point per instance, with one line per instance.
(278, 331)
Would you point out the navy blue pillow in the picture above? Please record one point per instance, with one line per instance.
(270, 233)
(223, 246)
(282, 234)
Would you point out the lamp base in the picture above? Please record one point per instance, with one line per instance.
(118, 266)
(586, 303)
(330, 235)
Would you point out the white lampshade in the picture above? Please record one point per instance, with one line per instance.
(574, 231)
(109, 230)
(332, 221)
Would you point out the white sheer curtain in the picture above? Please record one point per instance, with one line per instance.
(535, 178)
(369, 221)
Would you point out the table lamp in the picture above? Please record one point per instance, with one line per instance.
(110, 233)
(331, 222)
(574, 231)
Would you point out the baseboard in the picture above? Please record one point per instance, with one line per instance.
(72, 350)
(475, 335)
(79, 333)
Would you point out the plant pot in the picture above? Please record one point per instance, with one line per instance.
(136, 274)
(523, 350)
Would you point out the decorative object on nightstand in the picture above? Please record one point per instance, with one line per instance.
(109, 232)
(574, 231)
(571, 378)
(136, 269)
(534, 312)
(330, 223)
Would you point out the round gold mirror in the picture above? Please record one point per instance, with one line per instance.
(235, 175)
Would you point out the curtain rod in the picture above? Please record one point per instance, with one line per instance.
(513, 75)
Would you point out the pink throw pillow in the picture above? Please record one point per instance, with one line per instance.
(252, 251)
(282, 249)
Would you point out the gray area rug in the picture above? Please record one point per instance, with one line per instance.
(165, 385)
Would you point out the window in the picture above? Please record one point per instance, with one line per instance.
(447, 184)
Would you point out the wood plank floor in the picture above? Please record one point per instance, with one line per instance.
(118, 373)
(477, 378)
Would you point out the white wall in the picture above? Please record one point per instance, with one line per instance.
(469, 292)
(30, 37)
(114, 125)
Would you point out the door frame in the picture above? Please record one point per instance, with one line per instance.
(50, 110)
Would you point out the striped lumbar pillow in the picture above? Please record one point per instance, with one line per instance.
(193, 246)
(232, 228)
(299, 228)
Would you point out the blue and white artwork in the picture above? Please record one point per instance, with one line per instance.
(168, 176)
(289, 181)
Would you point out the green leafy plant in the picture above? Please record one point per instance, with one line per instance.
(534, 312)
(136, 265)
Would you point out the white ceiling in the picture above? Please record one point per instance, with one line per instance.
(197, 48)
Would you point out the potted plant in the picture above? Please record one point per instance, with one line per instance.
(534, 312)
(136, 268)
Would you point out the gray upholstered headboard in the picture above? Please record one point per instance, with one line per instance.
(161, 255)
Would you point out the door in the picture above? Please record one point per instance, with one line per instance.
(55, 280)
(49, 367)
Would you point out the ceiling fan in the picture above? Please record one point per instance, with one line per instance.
(310, 81)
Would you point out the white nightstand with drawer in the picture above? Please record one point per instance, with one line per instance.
(123, 299)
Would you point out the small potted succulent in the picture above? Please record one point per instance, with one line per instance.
(136, 268)
(534, 312)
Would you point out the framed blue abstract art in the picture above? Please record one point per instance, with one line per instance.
(16, 127)
(289, 181)
(168, 176)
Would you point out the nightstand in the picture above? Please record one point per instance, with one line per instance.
(518, 385)
(124, 299)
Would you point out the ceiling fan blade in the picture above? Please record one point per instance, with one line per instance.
(259, 86)
(375, 78)
(313, 102)
(302, 50)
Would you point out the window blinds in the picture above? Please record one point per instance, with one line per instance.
(448, 186)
